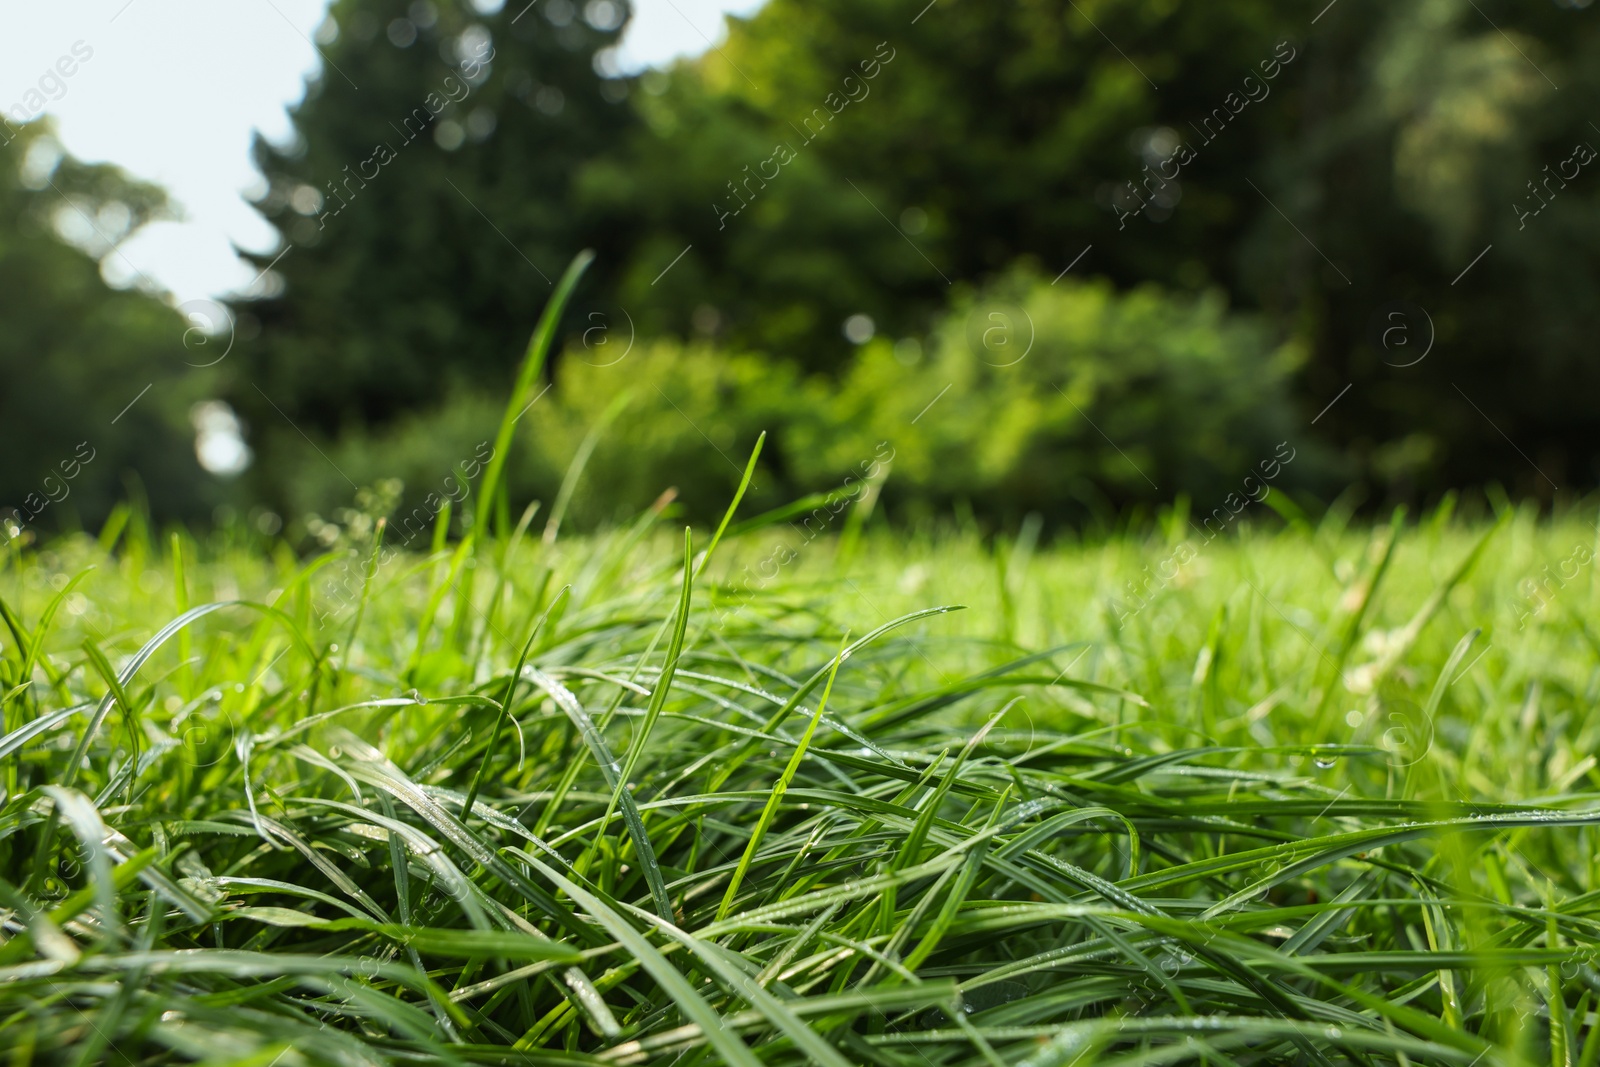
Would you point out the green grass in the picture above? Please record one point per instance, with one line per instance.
(1256, 820)
(1319, 796)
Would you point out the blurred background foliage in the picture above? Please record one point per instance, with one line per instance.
(845, 226)
(95, 383)
(1192, 395)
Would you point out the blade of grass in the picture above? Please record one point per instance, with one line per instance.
(733, 505)
(775, 801)
(658, 700)
(580, 460)
(532, 364)
(507, 708)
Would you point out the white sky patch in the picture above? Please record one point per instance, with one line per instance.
(174, 90)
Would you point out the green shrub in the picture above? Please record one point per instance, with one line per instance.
(1060, 398)
(688, 419)
(1068, 400)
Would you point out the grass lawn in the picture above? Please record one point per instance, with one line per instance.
(1317, 796)
(1321, 795)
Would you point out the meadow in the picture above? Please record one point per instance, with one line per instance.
(1308, 793)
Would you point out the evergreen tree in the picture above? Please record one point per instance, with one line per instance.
(426, 205)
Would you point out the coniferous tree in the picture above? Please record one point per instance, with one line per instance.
(425, 203)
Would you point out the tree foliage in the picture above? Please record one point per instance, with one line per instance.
(1321, 168)
(843, 158)
(425, 203)
(97, 382)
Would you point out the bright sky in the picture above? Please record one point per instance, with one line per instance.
(171, 90)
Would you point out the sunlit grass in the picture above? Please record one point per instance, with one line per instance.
(1321, 795)
(1247, 822)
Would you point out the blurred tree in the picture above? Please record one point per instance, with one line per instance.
(838, 169)
(425, 206)
(845, 157)
(861, 156)
(1424, 128)
(96, 382)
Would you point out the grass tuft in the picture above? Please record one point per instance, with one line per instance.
(747, 838)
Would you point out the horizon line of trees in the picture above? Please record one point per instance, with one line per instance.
(850, 198)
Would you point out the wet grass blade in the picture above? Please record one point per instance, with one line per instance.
(507, 706)
(533, 362)
(658, 700)
(775, 801)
